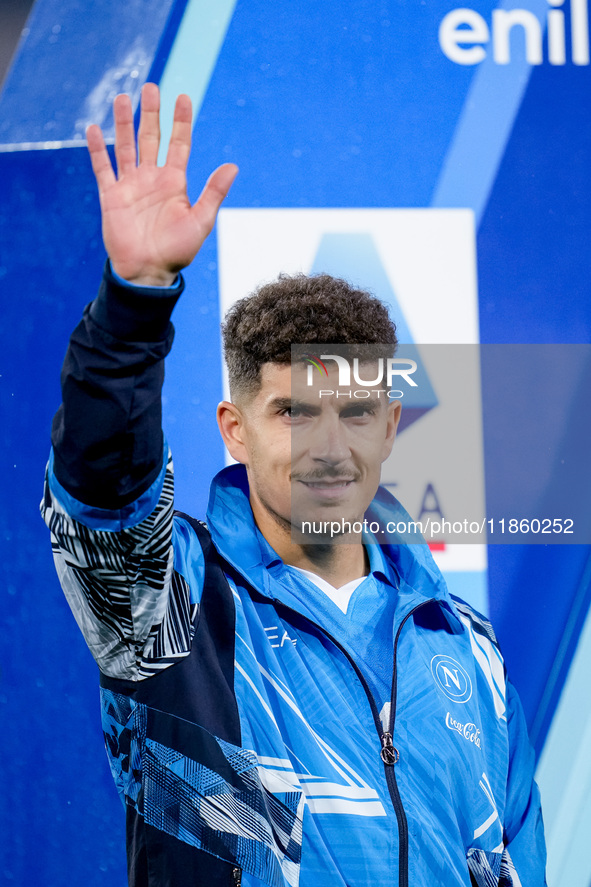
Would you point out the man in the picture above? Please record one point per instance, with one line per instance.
(276, 712)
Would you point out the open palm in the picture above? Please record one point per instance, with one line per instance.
(150, 228)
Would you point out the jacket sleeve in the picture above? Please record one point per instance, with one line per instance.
(520, 859)
(108, 498)
(524, 857)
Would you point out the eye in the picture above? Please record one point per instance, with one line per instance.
(359, 411)
(294, 412)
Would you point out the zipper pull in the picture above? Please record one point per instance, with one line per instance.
(388, 753)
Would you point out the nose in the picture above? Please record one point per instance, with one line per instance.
(328, 441)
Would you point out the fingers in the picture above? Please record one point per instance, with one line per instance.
(180, 139)
(124, 134)
(216, 188)
(101, 162)
(149, 131)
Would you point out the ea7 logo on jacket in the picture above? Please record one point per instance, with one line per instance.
(452, 678)
(278, 636)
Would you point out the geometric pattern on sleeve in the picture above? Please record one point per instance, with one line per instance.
(509, 876)
(237, 819)
(134, 610)
(485, 867)
(222, 807)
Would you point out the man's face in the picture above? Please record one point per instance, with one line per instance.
(312, 455)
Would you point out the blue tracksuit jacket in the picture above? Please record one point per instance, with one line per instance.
(256, 737)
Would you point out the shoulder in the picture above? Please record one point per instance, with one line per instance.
(476, 621)
(486, 654)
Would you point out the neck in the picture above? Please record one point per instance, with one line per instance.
(336, 562)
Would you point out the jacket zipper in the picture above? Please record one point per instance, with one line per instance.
(390, 756)
(388, 752)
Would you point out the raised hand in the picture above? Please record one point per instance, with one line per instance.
(150, 229)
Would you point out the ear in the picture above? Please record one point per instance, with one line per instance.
(232, 428)
(394, 412)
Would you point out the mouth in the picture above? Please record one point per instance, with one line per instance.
(328, 488)
(326, 484)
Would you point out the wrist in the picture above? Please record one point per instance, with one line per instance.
(134, 313)
(166, 280)
(148, 278)
(143, 286)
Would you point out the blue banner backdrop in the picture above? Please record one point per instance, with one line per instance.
(346, 105)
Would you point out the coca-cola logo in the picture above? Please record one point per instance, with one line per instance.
(469, 731)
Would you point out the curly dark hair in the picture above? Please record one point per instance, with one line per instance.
(299, 309)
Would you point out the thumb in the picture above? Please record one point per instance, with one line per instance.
(216, 188)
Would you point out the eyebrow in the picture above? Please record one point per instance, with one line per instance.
(363, 401)
(286, 403)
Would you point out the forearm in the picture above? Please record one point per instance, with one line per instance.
(108, 499)
(107, 434)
